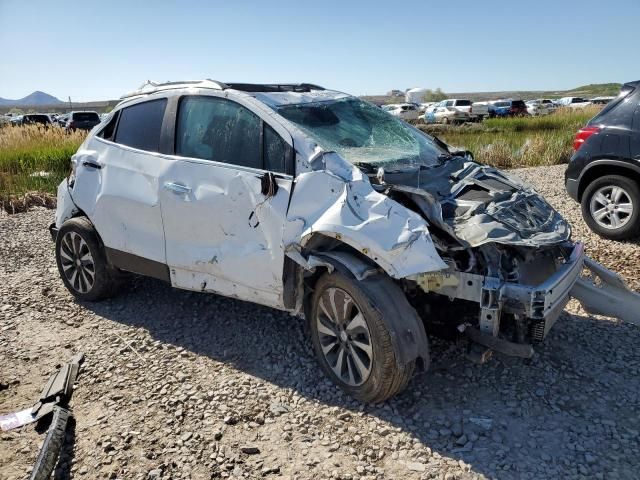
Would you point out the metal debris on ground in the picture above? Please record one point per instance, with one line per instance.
(54, 399)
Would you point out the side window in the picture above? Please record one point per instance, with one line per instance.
(108, 132)
(217, 129)
(276, 151)
(449, 103)
(140, 124)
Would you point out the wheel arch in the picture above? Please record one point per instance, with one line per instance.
(407, 332)
(600, 168)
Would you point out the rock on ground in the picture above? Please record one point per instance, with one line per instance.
(187, 385)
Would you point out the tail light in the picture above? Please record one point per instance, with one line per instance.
(582, 136)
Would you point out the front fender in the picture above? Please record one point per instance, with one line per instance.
(347, 208)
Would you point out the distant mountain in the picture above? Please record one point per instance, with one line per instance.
(595, 89)
(35, 99)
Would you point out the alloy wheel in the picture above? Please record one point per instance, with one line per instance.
(611, 207)
(77, 262)
(344, 337)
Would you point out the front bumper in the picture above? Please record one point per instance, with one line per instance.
(542, 304)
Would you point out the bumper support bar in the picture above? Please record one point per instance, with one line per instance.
(604, 292)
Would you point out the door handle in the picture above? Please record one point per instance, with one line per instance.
(90, 164)
(177, 188)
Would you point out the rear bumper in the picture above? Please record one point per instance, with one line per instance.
(572, 185)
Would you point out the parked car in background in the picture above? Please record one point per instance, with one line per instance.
(447, 112)
(540, 106)
(32, 119)
(507, 108)
(386, 230)
(404, 111)
(604, 171)
(601, 100)
(479, 111)
(425, 106)
(82, 120)
(574, 102)
(61, 120)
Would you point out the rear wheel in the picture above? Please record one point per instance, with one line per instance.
(350, 338)
(611, 207)
(81, 261)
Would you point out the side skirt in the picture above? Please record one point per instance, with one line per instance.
(135, 264)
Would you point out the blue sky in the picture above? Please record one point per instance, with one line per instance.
(97, 50)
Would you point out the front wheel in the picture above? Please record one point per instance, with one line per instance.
(350, 338)
(611, 207)
(82, 263)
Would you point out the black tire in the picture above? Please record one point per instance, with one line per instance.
(445, 120)
(52, 445)
(374, 297)
(630, 228)
(76, 241)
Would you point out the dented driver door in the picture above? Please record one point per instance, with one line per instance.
(224, 217)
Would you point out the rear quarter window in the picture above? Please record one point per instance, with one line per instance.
(619, 111)
(140, 125)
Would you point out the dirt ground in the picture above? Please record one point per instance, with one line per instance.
(187, 385)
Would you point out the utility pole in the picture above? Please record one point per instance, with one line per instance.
(70, 106)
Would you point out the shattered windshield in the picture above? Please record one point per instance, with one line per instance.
(363, 134)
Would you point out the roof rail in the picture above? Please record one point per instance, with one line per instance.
(273, 87)
(149, 86)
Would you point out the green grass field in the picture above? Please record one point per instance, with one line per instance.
(517, 142)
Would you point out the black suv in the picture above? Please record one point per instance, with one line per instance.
(604, 171)
(82, 120)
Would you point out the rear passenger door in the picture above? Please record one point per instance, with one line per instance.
(224, 201)
(116, 185)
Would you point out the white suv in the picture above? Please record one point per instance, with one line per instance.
(317, 203)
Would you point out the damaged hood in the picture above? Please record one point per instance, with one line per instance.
(478, 204)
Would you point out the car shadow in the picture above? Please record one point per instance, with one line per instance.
(497, 417)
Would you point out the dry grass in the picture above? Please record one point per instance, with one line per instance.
(518, 142)
(34, 158)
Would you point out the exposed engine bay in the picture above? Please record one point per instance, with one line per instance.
(511, 262)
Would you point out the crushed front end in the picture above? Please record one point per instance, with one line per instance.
(519, 305)
(511, 264)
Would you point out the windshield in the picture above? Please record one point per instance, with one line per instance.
(363, 134)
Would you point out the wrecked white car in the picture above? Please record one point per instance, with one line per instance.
(315, 202)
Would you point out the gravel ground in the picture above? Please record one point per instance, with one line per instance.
(187, 385)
